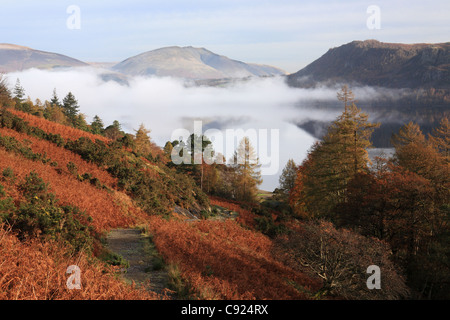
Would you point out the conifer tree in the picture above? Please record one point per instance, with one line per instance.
(440, 139)
(247, 171)
(97, 125)
(415, 153)
(54, 101)
(5, 94)
(70, 107)
(19, 92)
(142, 140)
(288, 176)
(335, 160)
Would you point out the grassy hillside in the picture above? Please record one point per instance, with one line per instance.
(63, 189)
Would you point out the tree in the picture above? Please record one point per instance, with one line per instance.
(247, 171)
(55, 114)
(97, 125)
(416, 154)
(70, 107)
(54, 101)
(168, 147)
(340, 258)
(19, 92)
(403, 209)
(5, 94)
(440, 139)
(346, 96)
(196, 146)
(114, 131)
(142, 140)
(80, 122)
(288, 176)
(335, 160)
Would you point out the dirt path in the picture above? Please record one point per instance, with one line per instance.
(144, 264)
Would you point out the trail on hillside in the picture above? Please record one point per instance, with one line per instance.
(141, 255)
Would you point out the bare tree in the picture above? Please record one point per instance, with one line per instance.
(341, 258)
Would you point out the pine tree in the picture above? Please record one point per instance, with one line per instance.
(247, 171)
(97, 125)
(54, 101)
(19, 92)
(70, 107)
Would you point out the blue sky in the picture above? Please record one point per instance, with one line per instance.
(285, 33)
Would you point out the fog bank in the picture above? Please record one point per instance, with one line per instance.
(166, 104)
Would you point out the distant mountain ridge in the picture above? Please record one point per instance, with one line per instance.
(191, 63)
(180, 62)
(375, 63)
(18, 58)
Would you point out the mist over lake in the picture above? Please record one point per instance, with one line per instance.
(164, 104)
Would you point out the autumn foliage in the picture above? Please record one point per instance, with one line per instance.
(245, 216)
(66, 132)
(36, 270)
(221, 260)
(61, 156)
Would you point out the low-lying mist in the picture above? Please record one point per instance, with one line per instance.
(166, 104)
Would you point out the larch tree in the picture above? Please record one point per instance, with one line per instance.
(5, 94)
(288, 176)
(246, 165)
(336, 159)
(440, 139)
(142, 140)
(415, 153)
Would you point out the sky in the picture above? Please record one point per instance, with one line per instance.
(288, 34)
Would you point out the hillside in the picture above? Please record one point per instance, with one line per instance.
(64, 190)
(191, 63)
(19, 58)
(374, 63)
(412, 82)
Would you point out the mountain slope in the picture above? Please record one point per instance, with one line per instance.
(381, 64)
(191, 63)
(18, 58)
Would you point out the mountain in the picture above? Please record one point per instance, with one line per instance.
(419, 75)
(18, 58)
(375, 63)
(191, 63)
